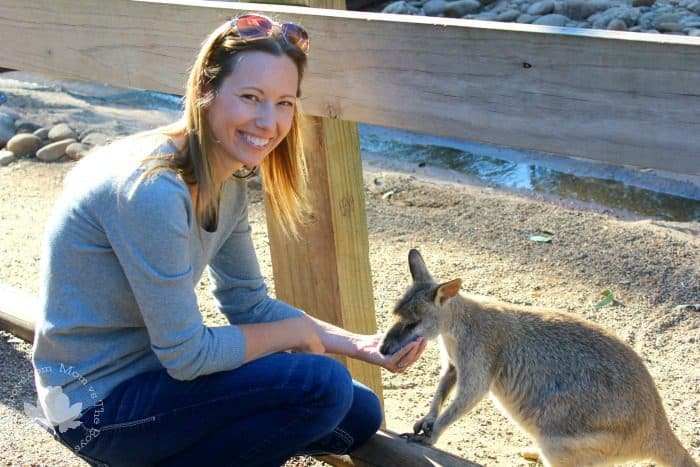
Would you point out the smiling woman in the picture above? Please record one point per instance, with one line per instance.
(140, 220)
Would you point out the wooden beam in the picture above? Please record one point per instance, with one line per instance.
(18, 311)
(625, 98)
(387, 449)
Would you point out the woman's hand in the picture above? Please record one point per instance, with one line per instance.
(368, 350)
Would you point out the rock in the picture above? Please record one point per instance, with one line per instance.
(23, 144)
(579, 10)
(551, 20)
(6, 157)
(434, 7)
(525, 19)
(42, 133)
(617, 24)
(76, 151)
(460, 8)
(7, 129)
(401, 8)
(62, 131)
(25, 126)
(543, 7)
(668, 23)
(94, 139)
(694, 7)
(640, 3)
(508, 15)
(54, 151)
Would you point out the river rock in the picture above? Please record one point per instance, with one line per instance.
(54, 151)
(543, 7)
(25, 126)
(23, 144)
(508, 15)
(76, 151)
(7, 129)
(62, 131)
(94, 139)
(617, 24)
(6, 157)
(551, 20)
(460, 8)
(401, 8)
(42, 133)
(434, 7)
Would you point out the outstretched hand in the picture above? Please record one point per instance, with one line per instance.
(368, 349)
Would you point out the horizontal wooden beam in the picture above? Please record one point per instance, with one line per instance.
(624, 98)
(18, 311)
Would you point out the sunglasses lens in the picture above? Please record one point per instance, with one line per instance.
(296, 35)
(253, 26)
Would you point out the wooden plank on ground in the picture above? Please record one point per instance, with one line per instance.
(18, 311)
(625, 98)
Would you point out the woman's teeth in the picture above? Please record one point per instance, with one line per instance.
(259, 142)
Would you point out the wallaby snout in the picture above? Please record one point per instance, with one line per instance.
(584, 395)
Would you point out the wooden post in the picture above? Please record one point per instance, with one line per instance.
(327, 273)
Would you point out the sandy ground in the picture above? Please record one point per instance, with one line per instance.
(465, 230)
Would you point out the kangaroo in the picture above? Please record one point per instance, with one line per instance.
(584, 396)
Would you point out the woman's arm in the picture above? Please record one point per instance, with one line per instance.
(365, 347)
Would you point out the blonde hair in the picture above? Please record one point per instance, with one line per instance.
(283, 171)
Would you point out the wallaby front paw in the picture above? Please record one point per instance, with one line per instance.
(419, 439)
(424, 425)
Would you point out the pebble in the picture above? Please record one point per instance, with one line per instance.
(6, 157)
(62, 131)
(23, 144)
(76, 151)
(54, 151)
(651, 16)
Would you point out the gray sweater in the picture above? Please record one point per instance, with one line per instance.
(118, 273)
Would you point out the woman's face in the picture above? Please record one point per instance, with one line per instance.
(252, 111)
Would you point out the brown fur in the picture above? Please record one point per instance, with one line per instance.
(582, 394)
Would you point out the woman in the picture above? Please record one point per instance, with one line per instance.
(126, 371)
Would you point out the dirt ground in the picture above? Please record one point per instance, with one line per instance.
(465, 230)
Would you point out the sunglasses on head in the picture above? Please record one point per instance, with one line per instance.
(252, 27)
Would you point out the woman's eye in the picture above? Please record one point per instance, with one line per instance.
(286, 104)
(250, 97)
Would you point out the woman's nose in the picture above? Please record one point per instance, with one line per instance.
(266, 116)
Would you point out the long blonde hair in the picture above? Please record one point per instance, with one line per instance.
(283, 171)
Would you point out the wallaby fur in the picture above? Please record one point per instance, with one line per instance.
(583, 395)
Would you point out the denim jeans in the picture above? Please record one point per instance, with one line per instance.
(260, 414)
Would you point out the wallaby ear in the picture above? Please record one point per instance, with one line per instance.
(447, 290)
(419, 271)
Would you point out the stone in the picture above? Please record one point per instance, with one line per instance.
(94, 139)
(401, 8)
(54, 151)
(42, 133)
(525, 19)
(617, 24)
(543, 7)
(23, 144)
(508, 15)
(76, 151)
(642, 3)
(62, 131)
(25, 126)
(434, 7)
(551, 20)
(460, 8)
(6, 157)
(7, 130)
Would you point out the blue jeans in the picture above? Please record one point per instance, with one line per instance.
(260, 414)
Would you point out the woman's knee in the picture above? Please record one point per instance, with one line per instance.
(333, 387)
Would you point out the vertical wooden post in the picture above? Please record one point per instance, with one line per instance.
(327, 272)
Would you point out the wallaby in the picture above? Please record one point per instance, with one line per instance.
(583, 395)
